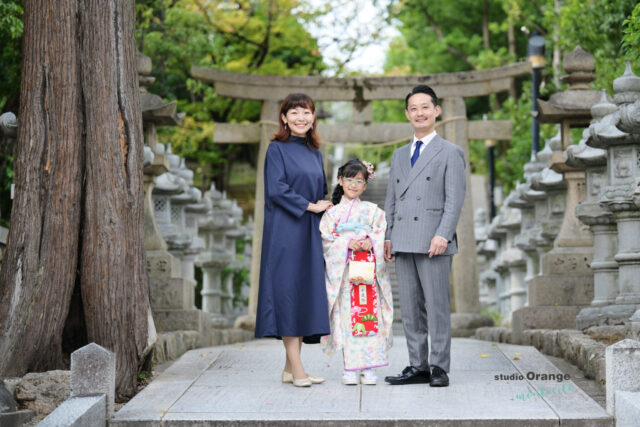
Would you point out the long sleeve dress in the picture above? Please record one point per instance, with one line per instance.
(292, 299)
(364, 218)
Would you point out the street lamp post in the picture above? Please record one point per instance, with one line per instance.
(535, 53)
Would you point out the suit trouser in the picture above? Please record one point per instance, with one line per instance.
(423, 285)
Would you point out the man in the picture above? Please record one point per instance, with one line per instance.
(424, 198)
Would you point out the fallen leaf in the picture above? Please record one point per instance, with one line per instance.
(516, 358)
(484, 355)
(517, 354)
(203, 355)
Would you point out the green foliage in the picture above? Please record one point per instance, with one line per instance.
(494, 314)
(515, 153)
(10, 60)
(595, 26)
(444, 36)
(631, 38)
(10, 57)
(263, 37)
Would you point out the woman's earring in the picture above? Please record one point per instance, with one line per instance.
(285, 126)
(311, 127)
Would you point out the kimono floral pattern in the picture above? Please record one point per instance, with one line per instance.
(339, 225)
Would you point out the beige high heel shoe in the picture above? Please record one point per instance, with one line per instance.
(287, 377)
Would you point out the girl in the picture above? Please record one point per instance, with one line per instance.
(360, 313)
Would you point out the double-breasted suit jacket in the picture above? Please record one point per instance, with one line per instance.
(425, 200)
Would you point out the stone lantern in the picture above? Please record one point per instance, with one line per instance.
(600, 221)
(214, 258)
(567, 281)
(498, 234)
(155, 112)
(619, 134)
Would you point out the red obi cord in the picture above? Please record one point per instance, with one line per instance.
(364, 301)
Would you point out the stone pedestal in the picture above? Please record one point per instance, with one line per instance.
(171, 296)
(622, 365)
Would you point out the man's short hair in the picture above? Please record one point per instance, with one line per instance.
(421, 89)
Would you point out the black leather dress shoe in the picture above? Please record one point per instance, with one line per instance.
(439, 377)
(410, 375)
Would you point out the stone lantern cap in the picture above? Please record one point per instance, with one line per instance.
(496, 230)
(582, 155)
(518, 200)
(168, 183)
(8, 125)
(154, 109)
(190, 195)
(574, 103)
(512, 218)
(627, 95)
(547, 180)
(604, 132)
(626, 87)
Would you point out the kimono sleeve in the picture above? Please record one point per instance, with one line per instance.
(378, 225)
(332, 244)
(278, 189)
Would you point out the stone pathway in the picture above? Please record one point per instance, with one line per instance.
(240, 385)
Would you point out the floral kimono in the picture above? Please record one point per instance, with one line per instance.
(364, 347)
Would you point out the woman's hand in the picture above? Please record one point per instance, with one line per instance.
(361, 245)
(319, 206)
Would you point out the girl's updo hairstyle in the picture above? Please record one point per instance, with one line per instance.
(349, 170)
(295, 100)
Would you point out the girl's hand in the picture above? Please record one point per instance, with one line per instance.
(361, 245)
(366, 244)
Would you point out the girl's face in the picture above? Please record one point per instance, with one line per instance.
(353, 187)
(299, 120)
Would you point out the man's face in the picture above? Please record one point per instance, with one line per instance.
(422, 113)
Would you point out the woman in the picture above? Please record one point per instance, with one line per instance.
(292, 300)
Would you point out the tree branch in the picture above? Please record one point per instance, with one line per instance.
(440, 35)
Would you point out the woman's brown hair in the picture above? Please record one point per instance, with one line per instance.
(295, 100)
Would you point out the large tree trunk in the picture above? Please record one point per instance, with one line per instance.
(77, 215)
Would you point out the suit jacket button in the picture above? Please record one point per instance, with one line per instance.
(402, 199)
(428, 178)
(415, 218)
(399, 218)
(418, 198)
(397, 180)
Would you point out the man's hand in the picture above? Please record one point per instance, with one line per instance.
(438, 246)
(387, 251)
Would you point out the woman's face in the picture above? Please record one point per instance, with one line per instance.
(299, 120)
(354, 186)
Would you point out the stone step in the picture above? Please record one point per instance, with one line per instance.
(240, 385)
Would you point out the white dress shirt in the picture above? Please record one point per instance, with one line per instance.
(427, 139)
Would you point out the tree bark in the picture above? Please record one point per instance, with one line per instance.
(77, 215)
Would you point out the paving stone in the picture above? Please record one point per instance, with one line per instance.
(239, 384)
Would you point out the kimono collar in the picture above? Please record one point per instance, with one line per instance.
(348, 207)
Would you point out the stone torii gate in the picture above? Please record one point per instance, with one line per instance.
(451, 88)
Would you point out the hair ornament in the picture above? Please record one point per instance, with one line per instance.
(369, 167)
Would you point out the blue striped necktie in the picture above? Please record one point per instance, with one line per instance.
(416, 153)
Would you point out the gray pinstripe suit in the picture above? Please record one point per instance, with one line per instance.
(423, 201)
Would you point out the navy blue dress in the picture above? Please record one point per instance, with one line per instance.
(292, 298)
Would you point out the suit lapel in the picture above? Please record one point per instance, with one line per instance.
(428, 154)
(405, 161)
